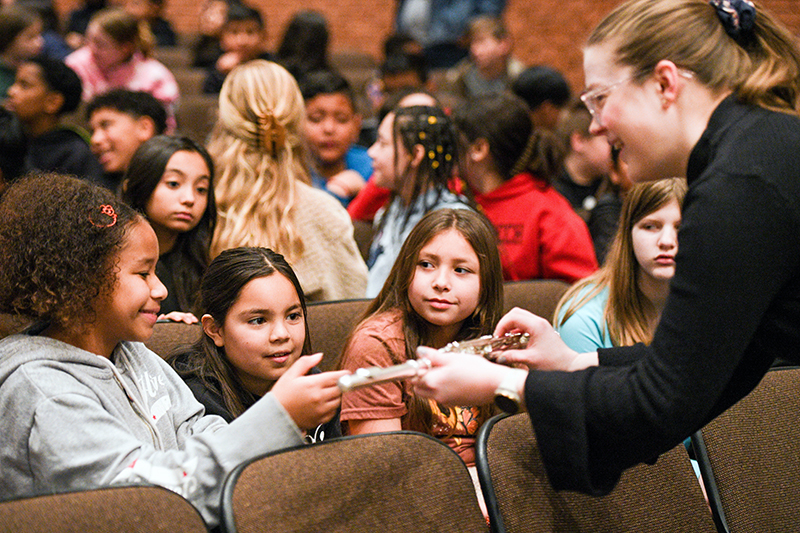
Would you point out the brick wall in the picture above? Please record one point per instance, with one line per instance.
(545, 31)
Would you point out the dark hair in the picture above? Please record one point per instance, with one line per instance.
(326, 82)
(13, 21)
(238, 12)
(431, 128)
(481, 235)
(61, 79)
(13, 148)
(539, 84)
(58, 247)
(304, 46)
(505, 122)
(399, 43)
(220, 288)
(399, 62)
(135, 103)
(142, 177)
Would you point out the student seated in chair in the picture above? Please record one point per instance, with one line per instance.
(44, 91)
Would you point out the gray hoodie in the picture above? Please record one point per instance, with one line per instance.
(72, 420)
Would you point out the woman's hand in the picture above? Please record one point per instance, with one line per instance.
(546, 350)
(458, 378)
(310, 400)
(177, 316)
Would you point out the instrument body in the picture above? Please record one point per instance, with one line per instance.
(486, 346)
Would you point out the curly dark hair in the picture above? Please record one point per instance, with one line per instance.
(58, 247)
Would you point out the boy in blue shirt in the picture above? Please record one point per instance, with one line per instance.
(332, 127)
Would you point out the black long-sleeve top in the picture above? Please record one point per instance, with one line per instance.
(733, 307)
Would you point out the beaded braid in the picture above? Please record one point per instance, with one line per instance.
(429, 127)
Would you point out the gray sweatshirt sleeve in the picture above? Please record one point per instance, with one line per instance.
(70, 430)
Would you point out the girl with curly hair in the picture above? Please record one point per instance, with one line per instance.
(85, 404)
(263, 191)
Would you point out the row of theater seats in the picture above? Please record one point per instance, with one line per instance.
(409, 482)
(330, 323)
(403, 481)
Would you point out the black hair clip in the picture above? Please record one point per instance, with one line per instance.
(738, 16)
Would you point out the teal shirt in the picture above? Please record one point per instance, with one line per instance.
(586, 330)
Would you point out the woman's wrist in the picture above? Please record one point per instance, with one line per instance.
(582, 361)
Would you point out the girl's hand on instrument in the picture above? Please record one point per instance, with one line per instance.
(310, 399)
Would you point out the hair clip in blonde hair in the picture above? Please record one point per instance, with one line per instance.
(271, 135)
(107, 210)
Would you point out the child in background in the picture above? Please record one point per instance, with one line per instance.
(20, 39)
(263, 192)
(371, 198)
(604, 218)
(121, 121)
(117, 55)
(445, 286)
(620, 304)
(206, 50)
(587, 161)
(255, 329)
(44, 91)
(78, 21)
(150, 12)
(490, 68)
(546, 92)
(85, 403)
(332, 129)
(304, 45)
(414, 158)
(13, 148)
(508, 166)
(170, 180)
(241, 40)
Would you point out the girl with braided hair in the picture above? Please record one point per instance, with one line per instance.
(508, 166)
(263, 191)
(413, 157)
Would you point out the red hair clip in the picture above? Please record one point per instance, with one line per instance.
(107, 210)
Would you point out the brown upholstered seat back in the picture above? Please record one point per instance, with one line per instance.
(750, 457)
(661, 497)
(391, 482)
(170, 337)
(329, 325)
(539, 296)
(106, 510)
